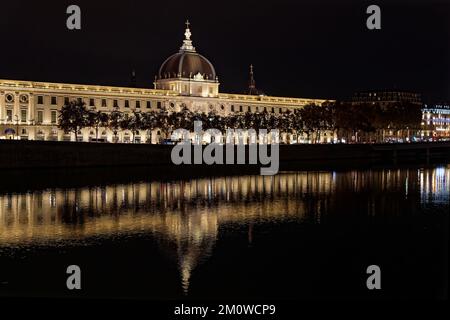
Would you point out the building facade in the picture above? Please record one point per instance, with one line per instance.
(29, 110)
(436, 121)
(386, 97)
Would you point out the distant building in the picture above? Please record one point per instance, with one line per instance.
(436, 121)
(435, 118)
(386, 97)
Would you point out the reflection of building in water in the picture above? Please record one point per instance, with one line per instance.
(187, 214)
(168, 208)
(184, 213)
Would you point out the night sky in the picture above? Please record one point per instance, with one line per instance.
(316, 49)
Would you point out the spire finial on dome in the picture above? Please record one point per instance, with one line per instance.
(187, 42)
(187, 33)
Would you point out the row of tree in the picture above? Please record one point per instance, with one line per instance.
(366, 122)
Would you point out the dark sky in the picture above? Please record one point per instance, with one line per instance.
(299, 48)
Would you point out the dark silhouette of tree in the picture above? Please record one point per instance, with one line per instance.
(150, 122)
(125, 122)
(135, 123)
(344, 119)
(404, 117)
(310, 118)
(115, 119)
(96, 120)
(183, 119)
(165, 122)
(73, 117)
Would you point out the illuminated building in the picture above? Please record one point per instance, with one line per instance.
(386, 97)
(436, 121)
(29, 110)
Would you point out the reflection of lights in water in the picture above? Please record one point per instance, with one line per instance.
(406, 186)
(189, 213)
(435, 185)
(195, 235)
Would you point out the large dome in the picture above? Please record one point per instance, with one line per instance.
(187, 64)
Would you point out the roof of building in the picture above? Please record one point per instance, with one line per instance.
(187, 63)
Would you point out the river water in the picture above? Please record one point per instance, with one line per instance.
(296, 235)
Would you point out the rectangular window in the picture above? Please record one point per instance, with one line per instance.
(232, 108)
(66, 100)
(138, 104)
(249, 109)
(149, 105)
(40, 117)
(53, 116)
(273, 110)
(9, 115)
(104, 103)
(53, 100)
(91, 102)
(40, 100)
(240, 108)
(127, 104)
(23, 115)
(79, 100)
(115, 104)
(158, 105)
